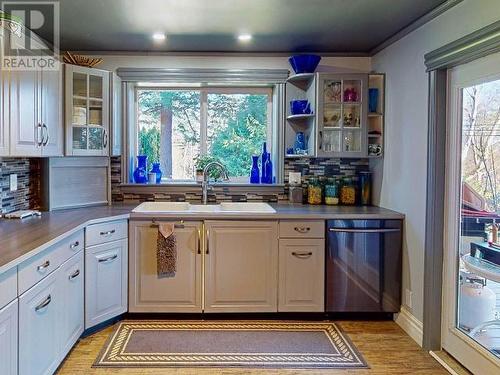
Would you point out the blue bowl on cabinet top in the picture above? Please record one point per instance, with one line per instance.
(299, 107)
(304, 63)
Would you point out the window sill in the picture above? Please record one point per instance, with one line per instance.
(187, 187)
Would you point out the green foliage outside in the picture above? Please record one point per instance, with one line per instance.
(236, 130)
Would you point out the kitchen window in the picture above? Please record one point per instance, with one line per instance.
(184, 127)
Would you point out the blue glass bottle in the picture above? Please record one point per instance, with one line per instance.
(269, 169)
(263, 178)
(255, 173)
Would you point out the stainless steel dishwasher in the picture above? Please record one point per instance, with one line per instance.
(363, 265)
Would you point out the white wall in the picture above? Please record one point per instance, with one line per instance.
(402, 185)
(112, 61)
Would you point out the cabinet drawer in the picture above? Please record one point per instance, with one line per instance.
(301, 275)
(39, 266)
(8, 286)
(97, 234)
(302, 229)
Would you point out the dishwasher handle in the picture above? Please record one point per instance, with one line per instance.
(366, 230)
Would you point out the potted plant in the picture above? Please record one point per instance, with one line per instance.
(201, 162)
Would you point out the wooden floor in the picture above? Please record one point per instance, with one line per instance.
(386, 348)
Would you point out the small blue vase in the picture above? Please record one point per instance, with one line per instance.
(372, 100)
(140, 173)
(269, 169)
(254, 173)
(156, 169)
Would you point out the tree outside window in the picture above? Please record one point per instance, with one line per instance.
(177, 126)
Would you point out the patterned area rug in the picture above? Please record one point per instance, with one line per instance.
(264, 344)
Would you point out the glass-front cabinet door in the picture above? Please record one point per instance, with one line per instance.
(342, 115)
(87, 111)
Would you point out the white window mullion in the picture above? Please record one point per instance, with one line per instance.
(203, 122)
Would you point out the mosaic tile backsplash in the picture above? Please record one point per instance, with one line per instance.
(28, 184)
(309, 167)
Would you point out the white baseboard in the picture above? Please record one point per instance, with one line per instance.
(411, 325)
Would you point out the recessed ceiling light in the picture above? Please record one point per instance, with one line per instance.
(159, 36)
(244, 37)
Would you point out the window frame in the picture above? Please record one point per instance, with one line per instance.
(205, 90)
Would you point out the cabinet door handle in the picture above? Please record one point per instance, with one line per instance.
(108, 233)
(320, 140)
(207, 241)
(74, 274)
(108, 259)
(75, 244)
(44, 127)
(39, 134)
(199, 241)
(45, 303)
(302, 229)
(104, 138)
(43, 266)
(302, 255)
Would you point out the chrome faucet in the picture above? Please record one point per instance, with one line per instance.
(205, 186)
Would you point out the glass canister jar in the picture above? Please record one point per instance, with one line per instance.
(332, 192)
(365, 187)
(314, 191)
(348, 192)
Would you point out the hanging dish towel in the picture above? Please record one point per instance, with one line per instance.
(166, 251)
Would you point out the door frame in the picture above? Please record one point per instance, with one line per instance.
(480, 43)
(457, 343)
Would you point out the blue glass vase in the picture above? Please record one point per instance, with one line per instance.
(372, 100)
(254, 173)
(269, 169)
(156, 169)
(140, 173)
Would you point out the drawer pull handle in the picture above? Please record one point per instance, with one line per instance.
(108, 233)
(75, 244)
(199, 241)
(45, 303)
(75, 274)
(302, 229)
(108, 259)
(42, 267)
(302, 255)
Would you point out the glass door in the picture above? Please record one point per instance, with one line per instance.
(89, 99)
(342, 114)
(471, 286)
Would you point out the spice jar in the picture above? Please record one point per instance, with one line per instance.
(314, 192)
(348, 192)
(332, 192)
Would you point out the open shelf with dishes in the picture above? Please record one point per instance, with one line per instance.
(300, 121)
(376, 114)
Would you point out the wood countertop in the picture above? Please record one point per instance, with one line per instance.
(21, 239)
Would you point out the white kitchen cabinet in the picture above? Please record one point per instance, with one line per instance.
(71, 281)
(87, 111)
(40, 327)
(4, 112)
(116, 115)
(178, 293)
(301, 275)
(241, 266)
(105, 281)
(35, 113)
(9, 338)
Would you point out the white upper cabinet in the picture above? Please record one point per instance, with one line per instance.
(50, 103)
(34, 112)
(87, 111)
(4, 112)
